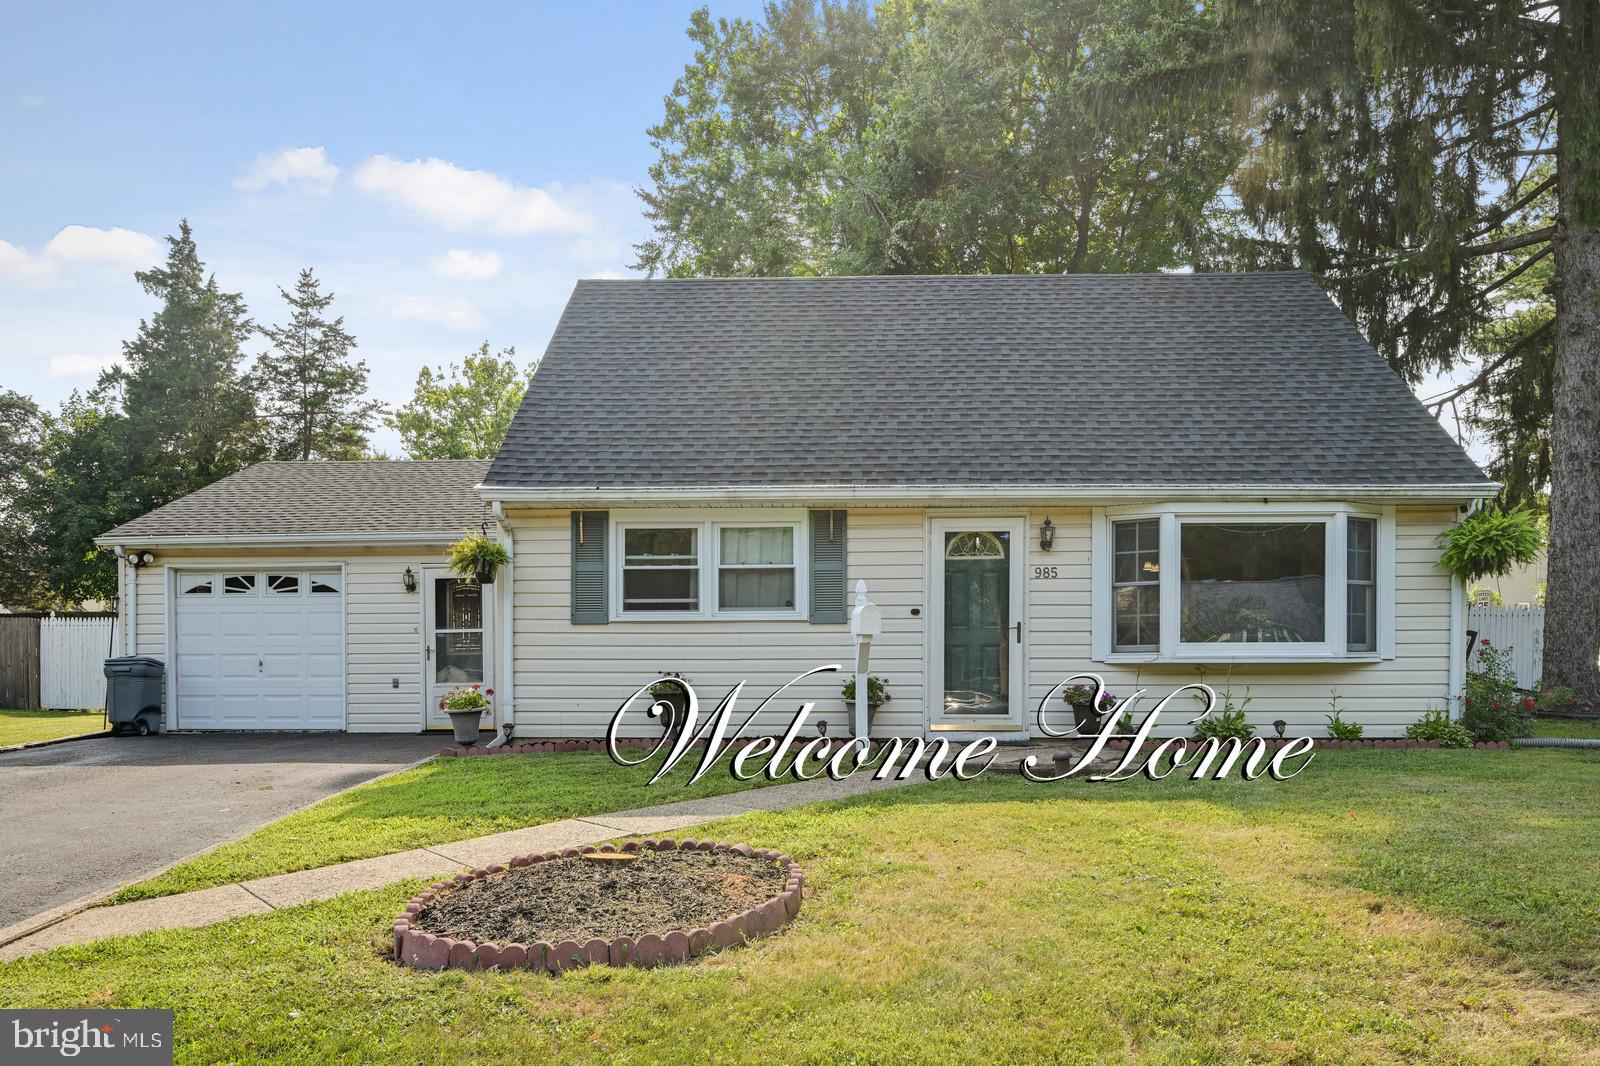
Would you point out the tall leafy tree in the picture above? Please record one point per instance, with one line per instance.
(972, 135)
(463, 413)
(309, 392)
(84, 485)
(23, 583)
(1399, 141)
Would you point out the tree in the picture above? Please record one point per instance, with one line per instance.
(1397, 158)
(23, 583)
(310, 394)
(187, 416)
(83, 486)
(970, 136)
(463, 414)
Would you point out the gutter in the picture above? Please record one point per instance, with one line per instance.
(1020, 494)
(506, 603)
(210, 540)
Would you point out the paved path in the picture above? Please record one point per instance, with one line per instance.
(84, 817)
(207, 906)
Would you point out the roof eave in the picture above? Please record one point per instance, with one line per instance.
(1016, 494)
(277, 540)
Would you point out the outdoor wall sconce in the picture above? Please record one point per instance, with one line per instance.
(138, 559)
(1279, 726)
(1047, 535)
(409, 580)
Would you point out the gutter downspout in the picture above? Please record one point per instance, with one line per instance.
(506, 606)
(128, 583)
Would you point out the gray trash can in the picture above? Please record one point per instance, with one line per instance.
(133, 693)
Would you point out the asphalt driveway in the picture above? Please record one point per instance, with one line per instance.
(89, 815)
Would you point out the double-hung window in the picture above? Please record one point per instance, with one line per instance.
(1201, 583)
(735, 568)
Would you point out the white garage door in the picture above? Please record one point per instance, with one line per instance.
(259, 649)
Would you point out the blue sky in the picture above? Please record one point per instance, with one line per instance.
(448, 173)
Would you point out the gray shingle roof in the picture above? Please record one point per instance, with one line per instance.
(1186, 379)
(359, 498)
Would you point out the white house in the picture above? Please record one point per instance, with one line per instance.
(1155, 478)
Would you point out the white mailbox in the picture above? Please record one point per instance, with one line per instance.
(866, 622)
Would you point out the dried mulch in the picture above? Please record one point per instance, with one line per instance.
(577, 899)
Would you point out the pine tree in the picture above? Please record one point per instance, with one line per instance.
(308, 390)
(188, 418)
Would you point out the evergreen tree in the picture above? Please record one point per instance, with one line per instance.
(187, 417)
(309, 392)
(23, 582)
(463, 414)
(1399, 157)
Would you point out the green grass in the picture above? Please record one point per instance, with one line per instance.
(1382, 907)
(440, 801)
(1573, 728)
(25, 727)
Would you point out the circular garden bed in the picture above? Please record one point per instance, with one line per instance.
(648, 903)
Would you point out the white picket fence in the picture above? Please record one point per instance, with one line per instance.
(72, 655)
(1519, 628)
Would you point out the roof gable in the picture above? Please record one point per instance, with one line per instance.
(1017, 380)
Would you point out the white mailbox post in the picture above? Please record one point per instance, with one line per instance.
(866, 622)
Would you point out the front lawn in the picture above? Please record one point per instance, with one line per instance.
(1383, 907)
(1573, 728)
(25, 727)
(440, 801)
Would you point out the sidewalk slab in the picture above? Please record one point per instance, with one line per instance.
(553, 836)
(325, 882)
(191, 910)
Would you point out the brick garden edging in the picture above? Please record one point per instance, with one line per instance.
(540, 747)
(429, 951)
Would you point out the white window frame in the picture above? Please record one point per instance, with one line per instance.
(709, 527)
(1173, 516)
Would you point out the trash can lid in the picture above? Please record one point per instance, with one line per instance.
(142, 660)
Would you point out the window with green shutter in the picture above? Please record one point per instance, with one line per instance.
(590, 605)
(828, 567)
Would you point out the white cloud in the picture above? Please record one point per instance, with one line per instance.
(452, 314)
(457, 198)
(463, 264)
(78, 366)
(82, 246)
(305, 168)
(103, 247)
(32, 101)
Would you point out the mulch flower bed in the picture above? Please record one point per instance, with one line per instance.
(668, 903)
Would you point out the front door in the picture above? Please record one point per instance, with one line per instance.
(976, 636)
(457, 649)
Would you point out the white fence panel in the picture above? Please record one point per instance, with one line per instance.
(72, 654)
(1519, 628)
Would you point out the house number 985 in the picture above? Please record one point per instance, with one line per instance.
(1044, 572)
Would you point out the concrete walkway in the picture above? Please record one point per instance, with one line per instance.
(207, 906)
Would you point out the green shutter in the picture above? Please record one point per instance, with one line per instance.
(828, 567)
(589, 569)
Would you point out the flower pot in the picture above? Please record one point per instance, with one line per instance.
(483, 576)
(673, 719)
(1085, 718)
(466, 725)
(851, 704)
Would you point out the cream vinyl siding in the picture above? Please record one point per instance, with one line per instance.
(571, 679)
(383, 623)
(1384, 696)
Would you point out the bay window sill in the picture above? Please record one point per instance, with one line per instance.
(1184, 658)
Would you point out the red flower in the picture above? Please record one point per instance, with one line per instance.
(1485, 641)
(474, 686)
(487, 691)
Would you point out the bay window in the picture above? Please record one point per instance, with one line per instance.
(703, 569)
(1228, 582)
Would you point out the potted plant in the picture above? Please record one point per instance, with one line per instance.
(1085, 715)
(670, 691)
(476, 557)
(877, 692)
(466, 704)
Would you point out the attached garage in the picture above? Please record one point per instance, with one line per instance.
(259, 649)
(311, 596)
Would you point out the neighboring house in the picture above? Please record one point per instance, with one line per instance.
(1149, 477)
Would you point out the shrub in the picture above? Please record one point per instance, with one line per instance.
(1223, 724)
(1339, 729)
(1491, 706)
(1489, 542)
(1437, 727)
(1555, 698)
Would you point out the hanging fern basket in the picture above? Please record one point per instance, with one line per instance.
(477, 558)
